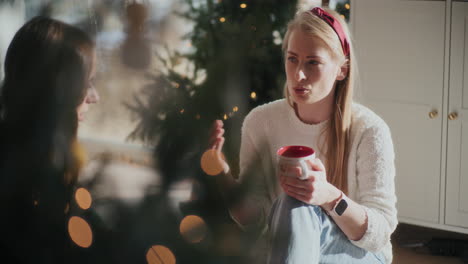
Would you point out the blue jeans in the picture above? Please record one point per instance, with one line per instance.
(301, 233)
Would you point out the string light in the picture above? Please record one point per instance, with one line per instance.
(235, 109)
(193, 228)
(347, 6)
(225, 117)
(253, 95)
(222, 19)
(83, 198)
(211, 162)
(243, 5)
(160, 254)
(182, 111)
(80, 232)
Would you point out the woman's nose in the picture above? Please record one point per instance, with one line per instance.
(300, 75)
(92, 96)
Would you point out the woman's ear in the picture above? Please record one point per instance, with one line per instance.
(344, 70)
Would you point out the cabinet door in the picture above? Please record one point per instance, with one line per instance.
(457, 148)
(400, 52)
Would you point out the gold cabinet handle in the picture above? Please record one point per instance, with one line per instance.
(433, 114)
(453, 116)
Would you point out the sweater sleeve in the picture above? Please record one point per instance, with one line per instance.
(252, 169)
(375, 171)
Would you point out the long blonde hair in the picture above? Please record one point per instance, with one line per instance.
(336, 142)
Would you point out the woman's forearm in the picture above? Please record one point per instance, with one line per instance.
(241, 210)
(353, 222)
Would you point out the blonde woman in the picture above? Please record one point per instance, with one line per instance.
(344, 212)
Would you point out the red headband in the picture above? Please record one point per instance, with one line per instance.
(335, 24)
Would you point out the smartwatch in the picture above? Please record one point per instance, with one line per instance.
(340, 206)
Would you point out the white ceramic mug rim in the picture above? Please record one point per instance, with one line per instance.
(295, 158)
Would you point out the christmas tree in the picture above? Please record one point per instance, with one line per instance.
(237, 64)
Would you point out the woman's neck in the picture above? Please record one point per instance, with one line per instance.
(314, 113)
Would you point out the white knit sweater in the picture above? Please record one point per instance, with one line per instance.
(371, 169)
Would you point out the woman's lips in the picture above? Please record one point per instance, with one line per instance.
(300, 90)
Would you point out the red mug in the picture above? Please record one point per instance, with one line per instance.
(295, 156)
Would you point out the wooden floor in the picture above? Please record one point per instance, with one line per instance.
(407, 235)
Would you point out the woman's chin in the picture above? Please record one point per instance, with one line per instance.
(303, 99)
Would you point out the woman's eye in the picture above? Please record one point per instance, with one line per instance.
(314, 62)
(292, 59)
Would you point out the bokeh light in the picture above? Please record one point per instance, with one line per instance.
(347, 6)
(83, 198)
(243, 5)
(193, 228)
(211, 162)
(222, 19)
(80, 232)
(160, 255)
(225, 117)
(235, 109)
(253, 95)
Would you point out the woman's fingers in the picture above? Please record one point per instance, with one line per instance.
(216, 135)
(297, 195)
(295, 183)
(219, 144)
(316, 164)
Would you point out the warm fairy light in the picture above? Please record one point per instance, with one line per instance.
(80, 232)
(243, 5)
(222, 19)
(210, 162)
(225, 117)
(182, 111)
(197, 117)
(235, 109)
(193, 228)
(253, 95)
(347, 6)
(83, 198)
(160, 255)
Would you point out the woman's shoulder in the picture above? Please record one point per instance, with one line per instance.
(265, 111)
(365, 119)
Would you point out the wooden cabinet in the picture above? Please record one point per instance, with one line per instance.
(403, 49)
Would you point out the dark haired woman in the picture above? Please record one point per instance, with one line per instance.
(49, 69)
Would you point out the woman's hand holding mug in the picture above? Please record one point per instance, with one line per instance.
(302, 176)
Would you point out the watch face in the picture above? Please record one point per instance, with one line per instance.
(341, 207)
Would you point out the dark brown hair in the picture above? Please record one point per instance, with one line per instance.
(47, 68)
